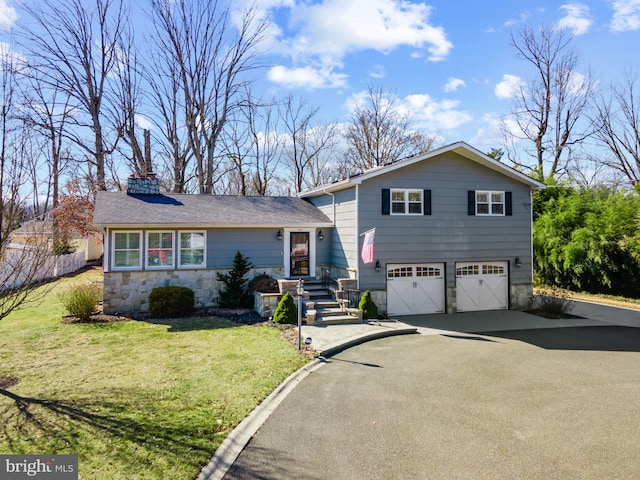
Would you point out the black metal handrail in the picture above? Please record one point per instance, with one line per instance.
(328, 283)
(354, 297)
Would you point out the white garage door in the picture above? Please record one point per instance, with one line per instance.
(481, 286)
(415, 289)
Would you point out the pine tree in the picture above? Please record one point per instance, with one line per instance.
(234, 294)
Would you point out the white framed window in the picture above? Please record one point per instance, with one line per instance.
(126, 250)
(160, 246)
(192, 251)
(406, 202)
(400, 272)
(489, 203)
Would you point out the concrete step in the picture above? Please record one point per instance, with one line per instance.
(322, 303)
(337, 320)
(329, 311)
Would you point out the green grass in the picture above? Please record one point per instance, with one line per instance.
(133, 399)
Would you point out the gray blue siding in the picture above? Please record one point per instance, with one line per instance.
(341, 209)
(449, 234)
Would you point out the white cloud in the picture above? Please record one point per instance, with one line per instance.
(626, 15)
(377, 72)
(143, 122)
(428, 114)
(508, 87)
(432, 115)
(17, 60)
(336, 27)
(454, 84)
(318, 36)
(8, 16)
(306, 77)
(524, 16)
(577, 18)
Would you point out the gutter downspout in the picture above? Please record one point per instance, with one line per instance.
(333, 205)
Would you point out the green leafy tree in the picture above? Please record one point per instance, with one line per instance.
(589, 240)
(234, 293)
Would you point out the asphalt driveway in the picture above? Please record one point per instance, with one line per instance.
(538, 403)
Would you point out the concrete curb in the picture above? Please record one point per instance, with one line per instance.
(336, 347)
(233, 445)
(229, 450)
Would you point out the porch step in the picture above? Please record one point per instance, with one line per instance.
(316, 291)
(337, 320)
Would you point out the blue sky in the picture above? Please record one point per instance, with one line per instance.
(449, 62)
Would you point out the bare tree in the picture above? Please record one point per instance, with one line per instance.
(74, 47)
(296, 116)
(252, 147)
(549, 107)
(20, 265)
(617, 125)
(47, 110)
(379, 133)
(127, 106)
(206, 58)
(321, 146)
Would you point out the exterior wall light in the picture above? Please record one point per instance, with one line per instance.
(279, 235)
(320, 235)
(378, 267)
(518, 262)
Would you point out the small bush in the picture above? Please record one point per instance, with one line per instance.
(171, 302)
(368, 307)
(80, 300)
(264, 284)
(286, 311)
(553, 303)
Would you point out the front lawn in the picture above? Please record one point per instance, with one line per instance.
(134, 399)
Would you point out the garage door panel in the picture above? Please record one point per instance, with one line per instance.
(398, 303)
(415, 289)
(481, 286)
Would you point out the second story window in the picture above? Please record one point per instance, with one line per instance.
(406, 202)
(489, 203)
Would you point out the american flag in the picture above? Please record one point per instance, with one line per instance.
(367, 246)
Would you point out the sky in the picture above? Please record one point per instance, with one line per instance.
(449, 63)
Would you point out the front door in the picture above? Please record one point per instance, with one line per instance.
(299, 254)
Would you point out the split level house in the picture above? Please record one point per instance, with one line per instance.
(446, 231)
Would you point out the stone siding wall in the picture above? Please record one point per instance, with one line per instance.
(129, 291)
(143, 186)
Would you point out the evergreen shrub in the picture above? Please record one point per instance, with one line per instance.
(286, 311)
(368, 307)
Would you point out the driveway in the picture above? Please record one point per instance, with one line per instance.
(538, 402)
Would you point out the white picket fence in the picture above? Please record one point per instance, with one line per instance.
(14, 271)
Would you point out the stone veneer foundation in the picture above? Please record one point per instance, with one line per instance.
(129, 291)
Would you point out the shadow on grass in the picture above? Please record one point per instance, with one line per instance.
(189, 324)
(58, 425)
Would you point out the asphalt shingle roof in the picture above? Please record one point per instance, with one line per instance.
(122, 209)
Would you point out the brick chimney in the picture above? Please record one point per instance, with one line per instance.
(147, 185)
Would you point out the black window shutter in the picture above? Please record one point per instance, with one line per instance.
(471, 202)
(386, 201)
(508, 208)
(427, 202)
